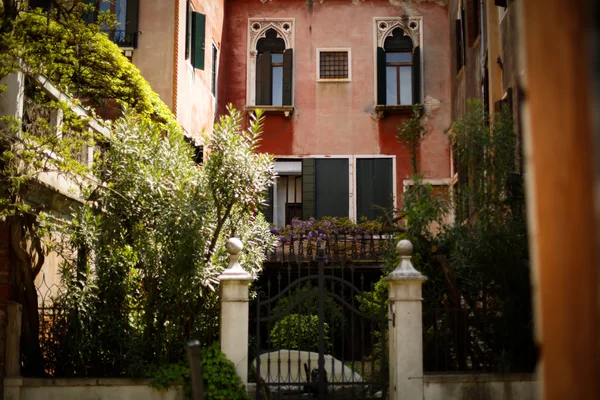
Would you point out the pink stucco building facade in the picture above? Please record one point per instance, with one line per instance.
(341, 117)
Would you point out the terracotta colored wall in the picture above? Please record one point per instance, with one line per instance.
(336, 118)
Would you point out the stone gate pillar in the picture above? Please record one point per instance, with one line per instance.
(234, 310)
(405, 328)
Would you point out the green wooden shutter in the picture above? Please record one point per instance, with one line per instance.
(308, 188)
(258, 88)
(288, 65)
(374, 183)
(332, 189)
(188, 29)
(416, 76)
(264, 71)
(198, 39)
(459, 44)
(267, 207)
(381, 83)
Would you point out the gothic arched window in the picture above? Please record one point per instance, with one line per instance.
(398, 70)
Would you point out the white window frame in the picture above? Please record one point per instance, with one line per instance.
(216, 68)
(334, 49)
(352, 189)
(253, 36)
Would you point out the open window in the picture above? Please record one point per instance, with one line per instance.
(398, 70)
(270, 65)
(273, 71)
(126, 13)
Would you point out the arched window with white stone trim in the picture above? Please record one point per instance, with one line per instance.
(270, 63)
(398, 62)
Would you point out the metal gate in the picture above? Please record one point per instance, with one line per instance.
(320, 333)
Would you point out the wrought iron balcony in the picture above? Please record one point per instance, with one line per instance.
(362, 247)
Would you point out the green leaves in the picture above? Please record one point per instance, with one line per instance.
(299, 332)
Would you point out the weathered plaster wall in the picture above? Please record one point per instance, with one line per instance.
(195, 103)
(466, 84)
(154, 54)
(336, 118)
(480, 387)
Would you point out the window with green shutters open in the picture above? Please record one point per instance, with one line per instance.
(398, 70)
(270, 65)
(273, 71)
(195, 37)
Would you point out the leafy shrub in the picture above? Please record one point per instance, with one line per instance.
(221, 381)
(299, 332)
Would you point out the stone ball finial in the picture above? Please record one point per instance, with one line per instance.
(404, 248)
(234, 246)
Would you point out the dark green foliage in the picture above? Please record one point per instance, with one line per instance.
(220, 378)
(221, 381)
(299, 332)
(305, 300)
(477, 300)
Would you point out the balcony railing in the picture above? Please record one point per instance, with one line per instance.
(363, 247)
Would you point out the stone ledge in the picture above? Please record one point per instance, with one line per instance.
(42, 382)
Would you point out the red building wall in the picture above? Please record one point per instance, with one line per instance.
(338, 118)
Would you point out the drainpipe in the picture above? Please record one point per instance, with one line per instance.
(175, 58)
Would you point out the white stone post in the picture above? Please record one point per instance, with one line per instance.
(11, 99)
(405, 328)
(234, 310)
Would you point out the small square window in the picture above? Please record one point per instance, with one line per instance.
(334, 65)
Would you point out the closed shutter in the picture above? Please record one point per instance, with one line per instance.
(131, 25)
(332, 189)
(459, 45)
(188, 29)
(381, 83)
(308, 188)
(267, 208)
(198, 39)
(472, 21)
(374, 183)
(264, 71)
(416, 76)
(288, 62)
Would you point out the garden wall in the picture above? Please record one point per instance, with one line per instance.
(85, 389)
(480, 387)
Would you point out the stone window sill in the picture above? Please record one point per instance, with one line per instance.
(381, 111)
(288, 111)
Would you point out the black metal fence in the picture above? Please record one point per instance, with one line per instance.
(318, 330)
(475, 340)
(92, 340)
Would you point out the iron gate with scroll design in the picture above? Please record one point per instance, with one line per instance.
(317, 336)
